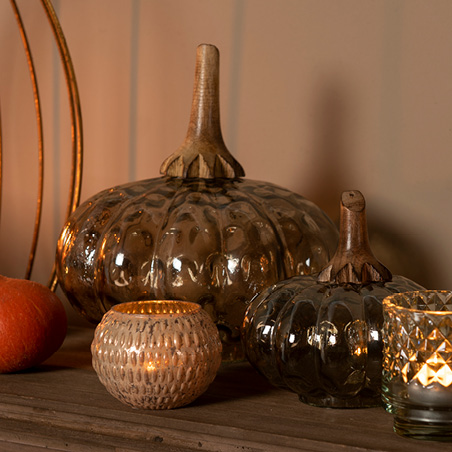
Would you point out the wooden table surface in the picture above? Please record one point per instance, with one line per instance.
(62, 406)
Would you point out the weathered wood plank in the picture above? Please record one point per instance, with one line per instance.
(63, 399)
(20, 436)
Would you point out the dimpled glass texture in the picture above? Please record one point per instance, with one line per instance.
(215, 242)
(156, 354)
(321, 341)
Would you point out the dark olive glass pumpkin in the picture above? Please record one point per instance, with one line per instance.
(321, 336)
(201, 232)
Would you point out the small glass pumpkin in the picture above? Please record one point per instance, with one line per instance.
(321, 337)
(201, 232)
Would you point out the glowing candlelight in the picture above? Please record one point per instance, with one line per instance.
(417, 363)
(156, 354)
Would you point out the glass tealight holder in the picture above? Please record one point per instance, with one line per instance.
(156, 354)
(417, 363)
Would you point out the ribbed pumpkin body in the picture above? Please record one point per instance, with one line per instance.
(215, 242)
(322, 341)
(321, 336)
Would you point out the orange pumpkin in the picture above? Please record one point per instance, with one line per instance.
(33, 324)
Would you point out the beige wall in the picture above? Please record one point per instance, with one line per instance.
(316, 96)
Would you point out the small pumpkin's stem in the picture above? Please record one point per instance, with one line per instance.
(354, 261)
(203, 153)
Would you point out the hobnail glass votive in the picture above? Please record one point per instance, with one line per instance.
(417, 363)
(156, 354)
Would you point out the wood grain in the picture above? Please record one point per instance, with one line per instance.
(203, 153)
(354, 261)
(61, 405)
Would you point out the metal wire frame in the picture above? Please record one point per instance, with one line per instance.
(1, 164)
(76, 128)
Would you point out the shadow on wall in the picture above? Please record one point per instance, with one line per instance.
(396, 250)
(402, 255)
(329, 148)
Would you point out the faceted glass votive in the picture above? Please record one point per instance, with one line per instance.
(157, 354)
(417, 363)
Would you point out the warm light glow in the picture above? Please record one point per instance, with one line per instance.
(157, 307)
(264, 264)
(151, 367)
(427, 375)
(434, 370)
(157, 364)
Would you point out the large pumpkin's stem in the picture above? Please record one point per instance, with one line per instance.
(204, 154)
(353, 261)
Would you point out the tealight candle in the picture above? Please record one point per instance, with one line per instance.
(417, 363)
(156, 354)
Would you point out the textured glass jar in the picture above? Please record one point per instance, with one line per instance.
(156, 354)
(201, 232)
(321, 337)
(417, 363)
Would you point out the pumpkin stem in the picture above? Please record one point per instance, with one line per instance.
(354, 261)
(203, 153)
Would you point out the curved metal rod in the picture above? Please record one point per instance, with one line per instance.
(1, 164)
(37, 103)
(76, 118)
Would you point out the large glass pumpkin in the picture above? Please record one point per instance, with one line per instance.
(201, 232)
(321, 337)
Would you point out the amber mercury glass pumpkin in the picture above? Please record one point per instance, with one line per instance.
(201, 232)
(321, 337)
